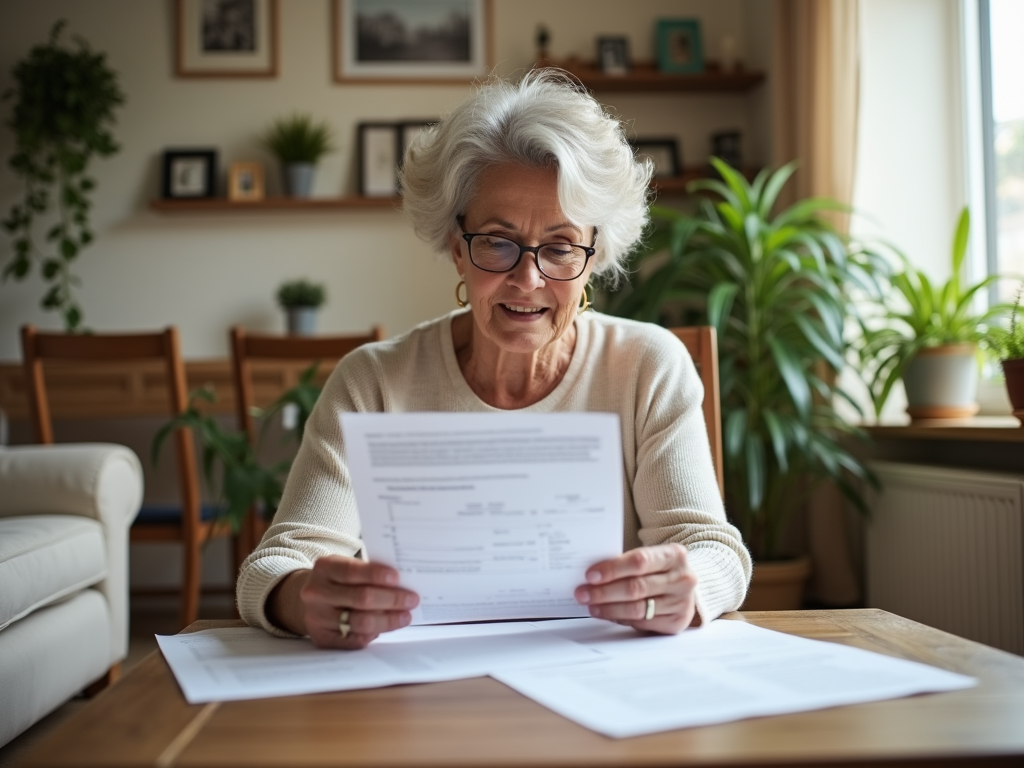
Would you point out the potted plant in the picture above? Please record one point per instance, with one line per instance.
(300, 299)
(64, 102)
(1008, 345)
(244, 483)
(775, 288)
(929, 338)
(298, 142)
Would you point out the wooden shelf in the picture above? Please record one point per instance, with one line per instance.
(996, 429)
(645, 77)
(221, 205)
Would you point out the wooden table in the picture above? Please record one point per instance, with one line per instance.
(144, 720)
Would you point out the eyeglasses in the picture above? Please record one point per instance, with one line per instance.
(556, 261)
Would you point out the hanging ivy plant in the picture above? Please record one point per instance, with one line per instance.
(64, 101)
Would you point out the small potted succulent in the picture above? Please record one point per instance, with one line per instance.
(300, 300)
(929, 338)
(298, 142)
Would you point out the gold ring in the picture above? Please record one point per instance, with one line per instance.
(343, 626)
(649, 614)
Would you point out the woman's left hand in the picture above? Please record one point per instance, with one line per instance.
(620, 589)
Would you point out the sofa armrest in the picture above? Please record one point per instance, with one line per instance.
(98, 480)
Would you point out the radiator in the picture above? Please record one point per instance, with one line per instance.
(945, 547)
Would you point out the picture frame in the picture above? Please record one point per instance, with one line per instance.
(664, 152)
(189, 174)
(422, 44)
(226, 38)
(379, 147)
(679, 46)
(245, 182)
(613, 54)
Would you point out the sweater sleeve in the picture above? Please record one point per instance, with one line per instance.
(317, 515)
(675, 489)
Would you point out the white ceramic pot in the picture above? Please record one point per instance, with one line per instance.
(942, 382)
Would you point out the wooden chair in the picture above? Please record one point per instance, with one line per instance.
(246, 348)
(189, 523)
(702, 343)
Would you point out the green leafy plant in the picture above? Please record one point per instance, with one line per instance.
(230, 462)
(301, 293)
(923, 315)
(1007, 343)
(64, 102)
(776, 290)
(299, 139)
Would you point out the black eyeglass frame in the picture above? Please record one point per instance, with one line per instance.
(535, 250)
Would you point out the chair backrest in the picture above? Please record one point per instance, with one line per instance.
(702, 343)
(162, 345)
(246, 347)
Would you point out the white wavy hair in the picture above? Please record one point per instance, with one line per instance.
(544, 120)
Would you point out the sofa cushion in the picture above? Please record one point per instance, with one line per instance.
(45, 558)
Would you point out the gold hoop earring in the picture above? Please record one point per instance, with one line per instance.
(585, 302)
(459, 300)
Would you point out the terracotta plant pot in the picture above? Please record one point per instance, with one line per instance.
(942, 382)
(778, 585)
(1013, 370)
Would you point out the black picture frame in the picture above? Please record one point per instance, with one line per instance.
(379, 155)
(665, 154)
(613, 54)
(189, 174)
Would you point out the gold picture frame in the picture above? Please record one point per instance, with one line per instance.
(245, 182)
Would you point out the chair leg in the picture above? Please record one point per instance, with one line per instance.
(108, 678)
(191, 583)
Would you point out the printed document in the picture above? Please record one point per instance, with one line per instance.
(727, 670)
(488, 515)
(235, 663)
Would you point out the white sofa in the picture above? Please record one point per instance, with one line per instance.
(65, 511)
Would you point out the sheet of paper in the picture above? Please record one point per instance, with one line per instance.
(246, 663)
(488, 515)
(725, 671)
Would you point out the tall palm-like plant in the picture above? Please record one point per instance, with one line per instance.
(776, 288)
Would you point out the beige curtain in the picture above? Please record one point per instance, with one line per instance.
(815, 86)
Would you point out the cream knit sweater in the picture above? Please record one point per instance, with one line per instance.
(637, 370)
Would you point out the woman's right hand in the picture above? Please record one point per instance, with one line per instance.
(337, 591)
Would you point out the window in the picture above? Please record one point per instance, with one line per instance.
(1002, 108)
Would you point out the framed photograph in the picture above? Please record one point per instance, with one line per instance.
(226, 38)
(613, 55)
(727, 145)
(245, 182)
(378, 159)
(679, 46)
(406, 41)
(664, 153)
(190, 174)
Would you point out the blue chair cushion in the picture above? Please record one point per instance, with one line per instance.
(164, 514)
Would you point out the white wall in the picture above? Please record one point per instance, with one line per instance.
(207, 272)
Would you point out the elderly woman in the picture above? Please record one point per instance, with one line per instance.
(532, 189)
